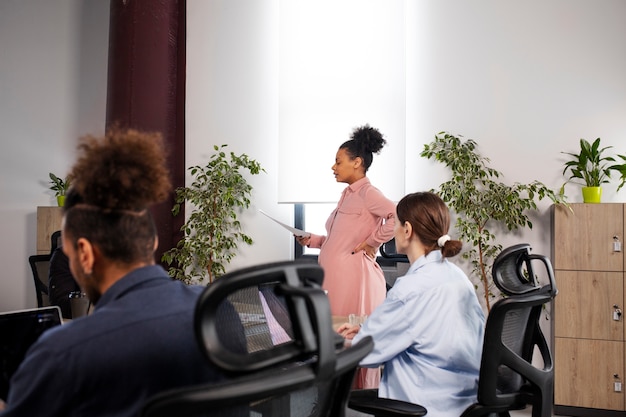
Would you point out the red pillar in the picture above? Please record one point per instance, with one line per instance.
(146, 86)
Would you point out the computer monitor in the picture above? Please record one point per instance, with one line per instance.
(18, 331)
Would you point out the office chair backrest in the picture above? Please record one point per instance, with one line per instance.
(388, 250)
(254, 292)
(269, 329)
(40, 266)
(508, 379)
(55, 241)
(514, 271)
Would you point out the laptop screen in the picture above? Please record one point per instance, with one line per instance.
(18, 331)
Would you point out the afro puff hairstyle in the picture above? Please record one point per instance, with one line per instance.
(124, 170)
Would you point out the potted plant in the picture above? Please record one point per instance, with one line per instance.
(591, 166)
(60, 187)
(482, 204)
(219, 191)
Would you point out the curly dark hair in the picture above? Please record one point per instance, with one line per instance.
(114, 181)
(364, 142)
(124, 170)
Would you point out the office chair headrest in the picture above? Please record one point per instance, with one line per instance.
(265, 315)
(513, 271)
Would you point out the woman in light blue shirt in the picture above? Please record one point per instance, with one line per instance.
(428, 333)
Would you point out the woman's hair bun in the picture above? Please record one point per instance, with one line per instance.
(369, 138)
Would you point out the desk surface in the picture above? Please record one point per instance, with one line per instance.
(338, 321)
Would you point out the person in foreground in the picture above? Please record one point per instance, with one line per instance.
(139, 340)
(361, 222)
(428, 333)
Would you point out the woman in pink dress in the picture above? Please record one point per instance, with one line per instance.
(362, 221)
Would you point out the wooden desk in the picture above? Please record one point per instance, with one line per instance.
(338, 321)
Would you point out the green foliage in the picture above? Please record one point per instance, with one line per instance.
(217, 194)
(481, 203)
(589, 165)
(621, 168)
(59, 185)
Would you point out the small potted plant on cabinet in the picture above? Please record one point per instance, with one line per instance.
(60, 187)
(591, 166)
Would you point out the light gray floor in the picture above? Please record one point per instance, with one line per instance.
(525, 413)
(522, 413)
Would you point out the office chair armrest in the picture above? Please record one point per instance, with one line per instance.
(368, 401)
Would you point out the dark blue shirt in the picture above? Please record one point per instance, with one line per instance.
(138, 341)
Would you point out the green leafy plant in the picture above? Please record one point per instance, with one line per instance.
(590, 165)
(481, 204)
(217, 195)
(621, 168)
(59, 185)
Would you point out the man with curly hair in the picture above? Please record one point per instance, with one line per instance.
(139, 340)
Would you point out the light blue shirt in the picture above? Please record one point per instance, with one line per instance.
(428, 334)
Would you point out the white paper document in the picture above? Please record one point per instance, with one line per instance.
(293, 230)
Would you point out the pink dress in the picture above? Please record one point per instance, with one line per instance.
(355, 282)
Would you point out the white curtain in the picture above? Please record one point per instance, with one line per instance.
(342, 64)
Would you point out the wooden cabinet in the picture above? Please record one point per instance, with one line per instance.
(586, 369)
(48, 222)
(589, 342)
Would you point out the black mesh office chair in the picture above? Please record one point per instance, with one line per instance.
(279, 352)
(508, 379)
(388, 251)
(393, 264)
(40, 268)
(55, 240)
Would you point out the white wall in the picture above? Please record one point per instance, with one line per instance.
(339, 70)
(53, 65)
(524, 79)
(232, 98)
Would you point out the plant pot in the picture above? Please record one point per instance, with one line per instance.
(592, 194)
(61, 200)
